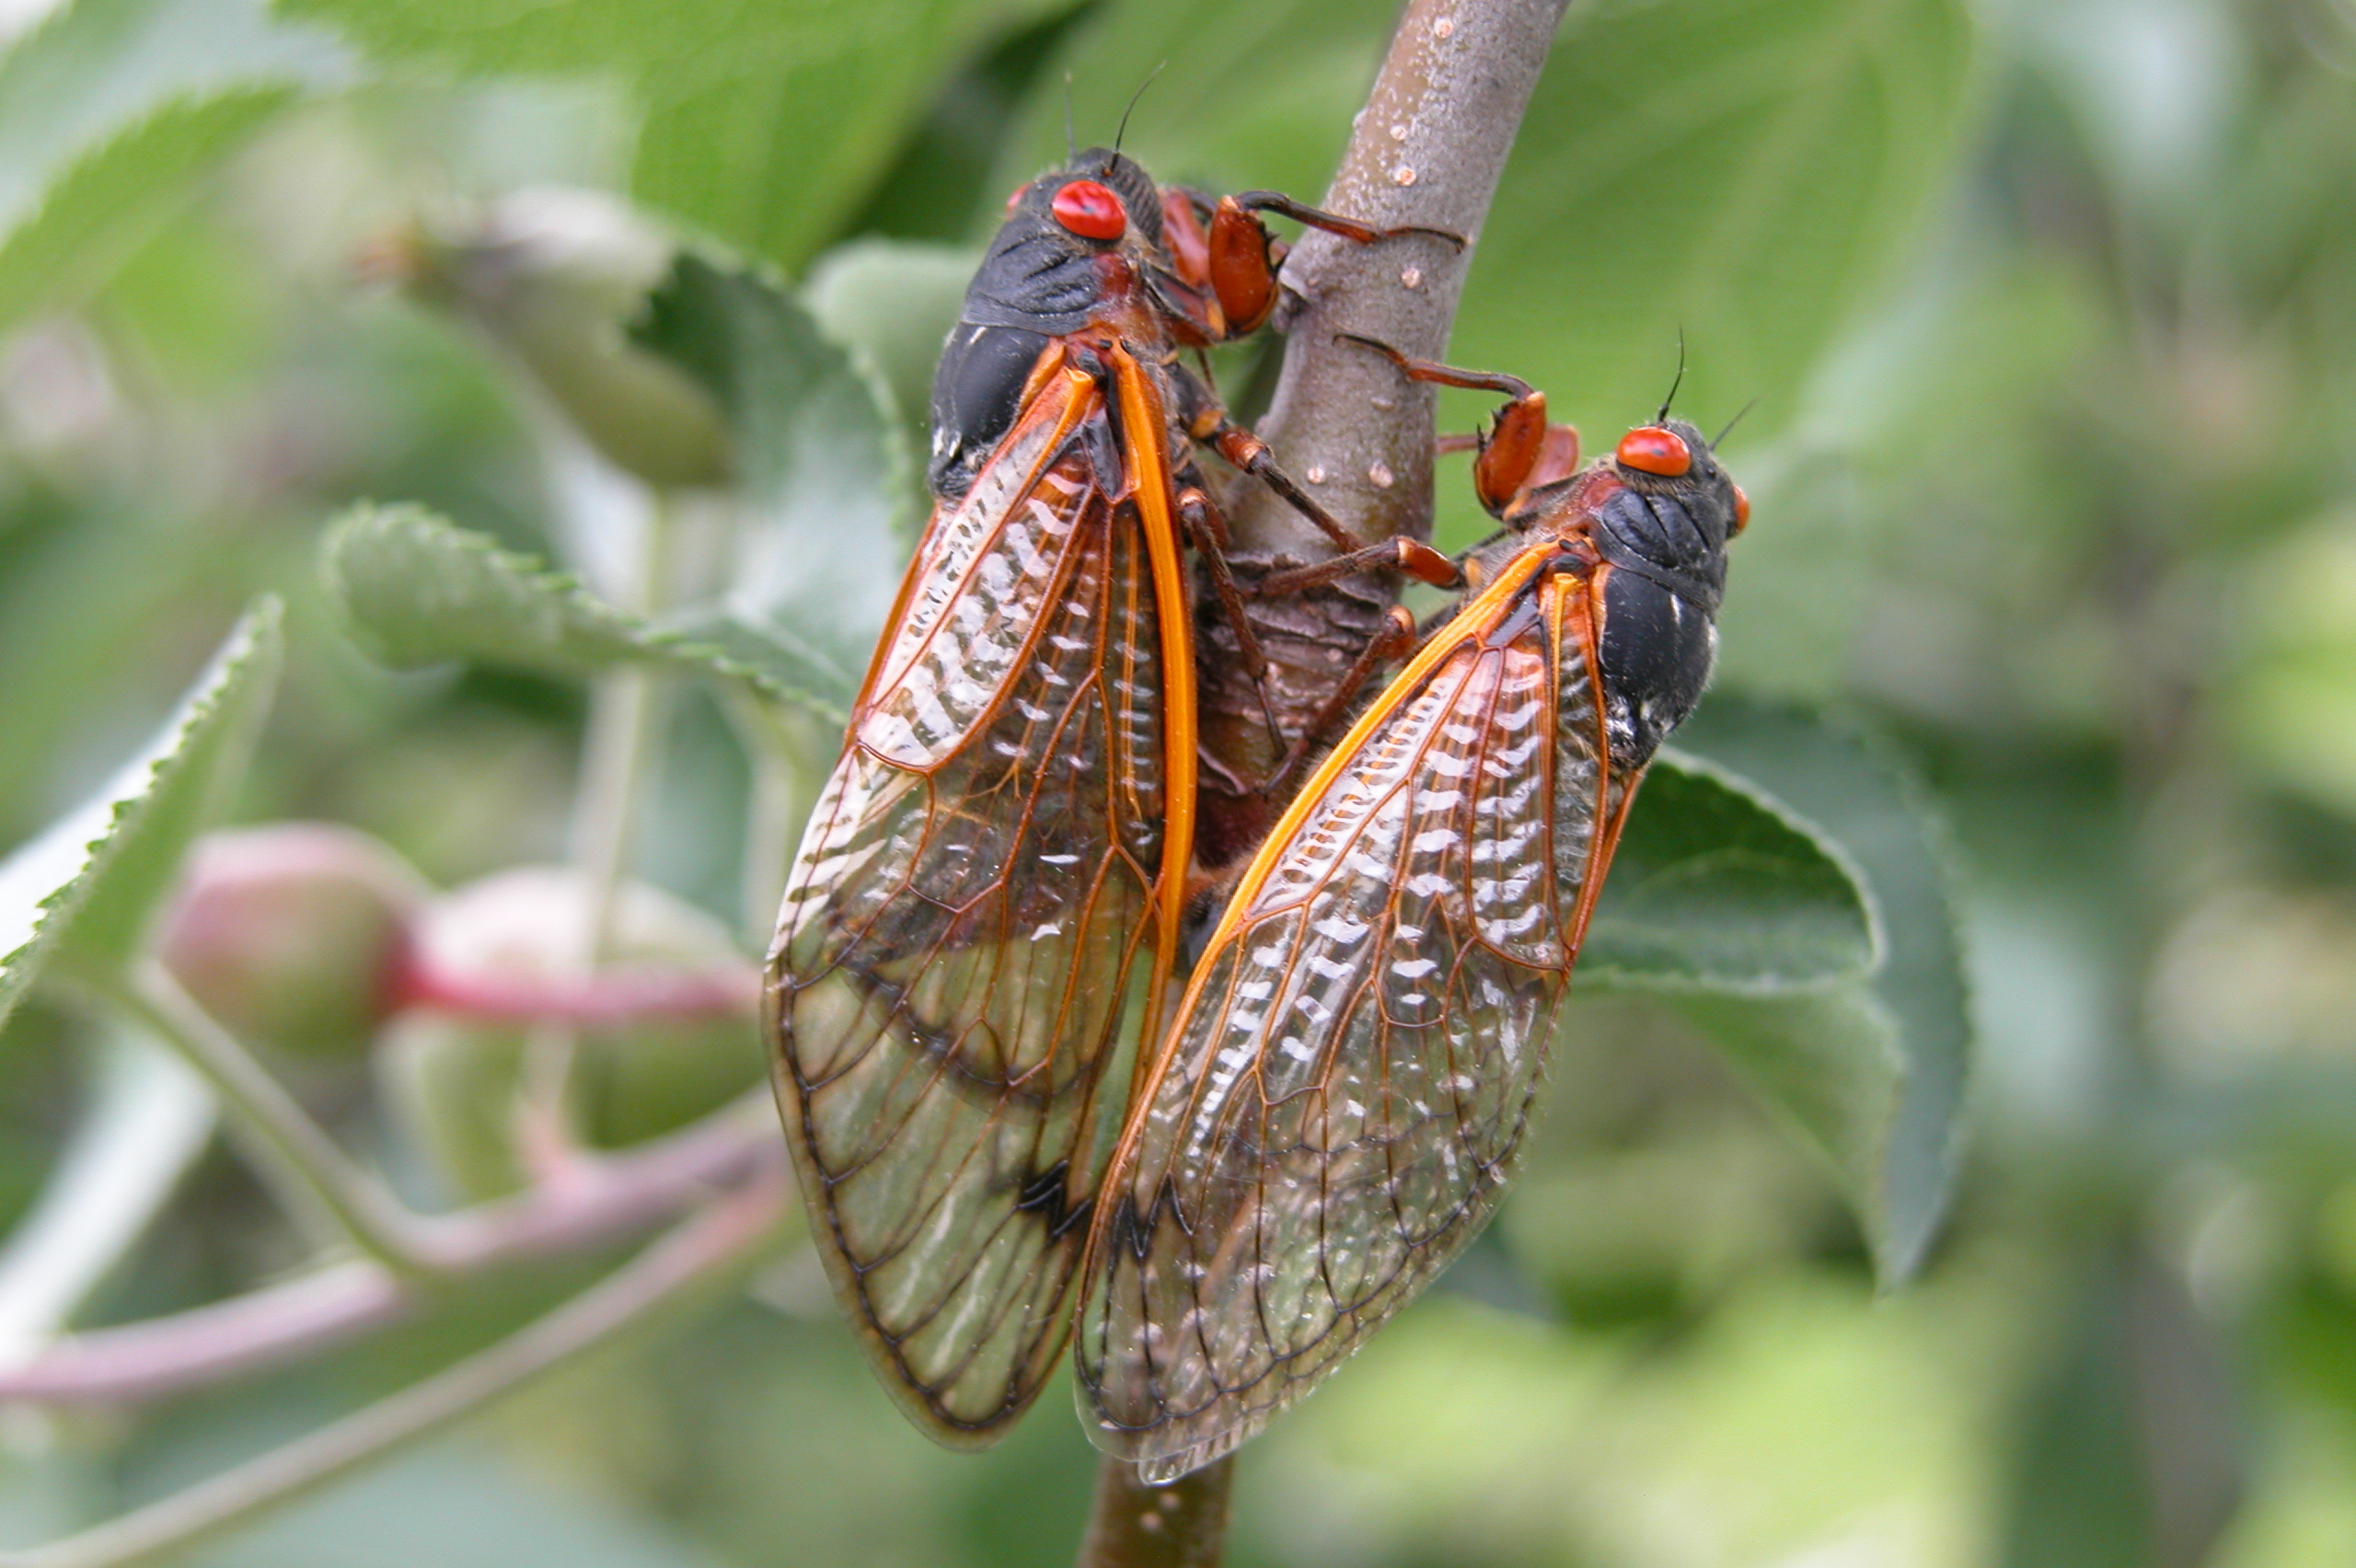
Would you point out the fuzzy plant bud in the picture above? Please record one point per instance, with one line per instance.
(554, 278)
(290, 934)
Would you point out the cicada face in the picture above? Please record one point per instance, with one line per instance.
(1683, 509)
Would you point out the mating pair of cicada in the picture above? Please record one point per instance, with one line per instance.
(989, 900)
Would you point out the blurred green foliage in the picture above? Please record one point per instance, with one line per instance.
(2049, 307)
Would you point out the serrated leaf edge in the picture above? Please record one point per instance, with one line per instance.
(255, 636)
(565, 594)
(563, 590)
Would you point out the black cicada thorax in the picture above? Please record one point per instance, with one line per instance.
(1059, 264)
(1663, 535)
(1094, 243)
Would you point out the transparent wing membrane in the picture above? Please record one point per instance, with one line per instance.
(964, 927)
(1353, 1066)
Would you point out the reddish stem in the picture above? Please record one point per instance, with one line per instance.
(603, 999)
(606, 1200)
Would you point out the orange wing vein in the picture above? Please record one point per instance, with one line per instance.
(980, 884)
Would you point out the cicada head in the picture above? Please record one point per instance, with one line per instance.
(1660, 516)
(1672, 460)
(1044, 277)
(1098, 204)
(1122, 177)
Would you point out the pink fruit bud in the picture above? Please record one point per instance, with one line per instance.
(290, 934)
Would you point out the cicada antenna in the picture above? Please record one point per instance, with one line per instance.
(1071, 138)
(1677, 382)
(1123, 129)
(1722, 435)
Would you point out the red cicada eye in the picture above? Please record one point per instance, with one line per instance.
(1652, 450)
(1090, 211)
(1741, 511)
(1014, 198)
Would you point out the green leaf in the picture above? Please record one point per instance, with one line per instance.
(554, 276)
(2133, 1447)
(82, 891)
(1743, 171)
(822, 474)
(1827, 1062)
(111, 109)
(78, 589)
(762, 126)
(1916, 1001)
(1759, 926)
(1255, 93)
(771, 659)
(1716, 886)
(421, 592)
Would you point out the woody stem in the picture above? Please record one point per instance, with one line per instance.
(1132, 1524)
(1427, 152)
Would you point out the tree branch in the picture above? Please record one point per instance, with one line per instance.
(1132, 1524)
(1427, 152)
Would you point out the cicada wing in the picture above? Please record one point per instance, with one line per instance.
(973, 903)
(1351, 1070)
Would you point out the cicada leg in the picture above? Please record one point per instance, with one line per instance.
(1207, 532)
(1244, 257)
(1206, 423)
(1519, 451)
(1248, 452)
(1226, 262)
(1409, 558)
(1396, 640)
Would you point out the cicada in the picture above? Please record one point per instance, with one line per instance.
(987, 896)
(1351, 1069)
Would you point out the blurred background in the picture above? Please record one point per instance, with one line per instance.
(2048, 307)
